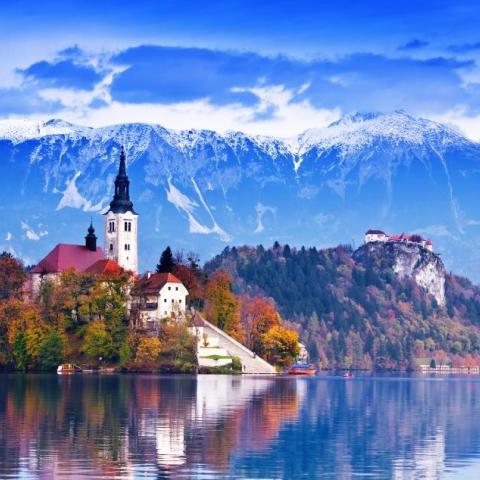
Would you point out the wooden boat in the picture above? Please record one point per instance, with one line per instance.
(68, 369)
(302, 369)
(348, 375)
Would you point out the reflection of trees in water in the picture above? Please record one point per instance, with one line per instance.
(169, 426)
(114, 422)
(376, 427)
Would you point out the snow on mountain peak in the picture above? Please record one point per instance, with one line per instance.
(355, 131)
(19, 130)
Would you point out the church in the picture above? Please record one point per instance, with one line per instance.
(120, 250)
(119, 253)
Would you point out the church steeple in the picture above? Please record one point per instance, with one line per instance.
(121, 202)
(91, 239)
(121, 223)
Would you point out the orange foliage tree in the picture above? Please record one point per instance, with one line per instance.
(222, 306)
(258, 315)
(281, 345)
(12, 277)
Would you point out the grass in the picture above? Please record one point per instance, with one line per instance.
(218, 357)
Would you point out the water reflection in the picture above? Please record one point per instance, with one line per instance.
(236, 427)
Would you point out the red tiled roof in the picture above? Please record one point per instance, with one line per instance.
(104, 266)
(66, 256)
(154, 283)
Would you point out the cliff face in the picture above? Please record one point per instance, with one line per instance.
(407, 260)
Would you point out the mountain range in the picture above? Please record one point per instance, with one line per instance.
(201, 190)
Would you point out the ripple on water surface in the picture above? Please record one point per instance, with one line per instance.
(211, 427)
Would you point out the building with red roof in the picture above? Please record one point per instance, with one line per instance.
(105, 266)
(66, 256)
(157, 296)
(380, 236)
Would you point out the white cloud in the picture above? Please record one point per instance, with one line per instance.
(288, 118)
(457, 118)
(32, 234)
(8, 236)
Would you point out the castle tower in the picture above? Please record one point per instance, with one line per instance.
(121, 221)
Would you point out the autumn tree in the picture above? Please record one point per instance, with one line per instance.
(191, 275)
(178, 347)
(167, 262)
(97, 341)
(281, 345)
(258, 315)
(221, 304)
(148, 351)
(12, 276)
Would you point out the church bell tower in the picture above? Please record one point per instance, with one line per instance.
(121, 223)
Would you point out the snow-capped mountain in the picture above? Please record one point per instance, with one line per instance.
(201, 190)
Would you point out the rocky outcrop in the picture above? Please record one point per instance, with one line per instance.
(407, 260)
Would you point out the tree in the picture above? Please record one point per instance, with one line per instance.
(51, 351)
(281, 345)
(12, 277)
(20, 351)
(148, 351)
(179, 352)
(257, 315)
(222, 306)
(167, 262)
(97, 341)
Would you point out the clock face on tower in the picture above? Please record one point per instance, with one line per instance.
(121, 222)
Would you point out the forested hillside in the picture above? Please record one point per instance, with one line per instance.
(352, 314)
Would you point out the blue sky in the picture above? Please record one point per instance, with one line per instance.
(272, 68)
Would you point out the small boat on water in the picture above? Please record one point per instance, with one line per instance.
(348, 375)
(68, 368)
(302, 369)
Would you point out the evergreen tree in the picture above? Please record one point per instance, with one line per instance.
(167, 262)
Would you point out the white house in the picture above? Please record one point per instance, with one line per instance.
(158, 296)
(375, 236)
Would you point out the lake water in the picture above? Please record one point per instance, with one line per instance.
(214, 427)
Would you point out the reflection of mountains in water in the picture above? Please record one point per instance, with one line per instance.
(240, 427)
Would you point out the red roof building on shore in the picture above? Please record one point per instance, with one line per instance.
(153, 283)
(66, 256)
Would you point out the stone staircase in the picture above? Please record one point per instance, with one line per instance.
(251, 363)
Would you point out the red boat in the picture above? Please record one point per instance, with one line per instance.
(348, 375)
(302, 369)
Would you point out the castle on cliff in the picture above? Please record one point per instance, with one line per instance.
(380, 236)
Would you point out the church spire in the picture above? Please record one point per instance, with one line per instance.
(91, 238)
(121, 202)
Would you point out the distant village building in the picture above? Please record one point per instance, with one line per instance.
(155, 297)
(380, 236)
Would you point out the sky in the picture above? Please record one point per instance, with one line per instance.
(263, 67)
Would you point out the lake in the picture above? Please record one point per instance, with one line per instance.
(214, 427)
